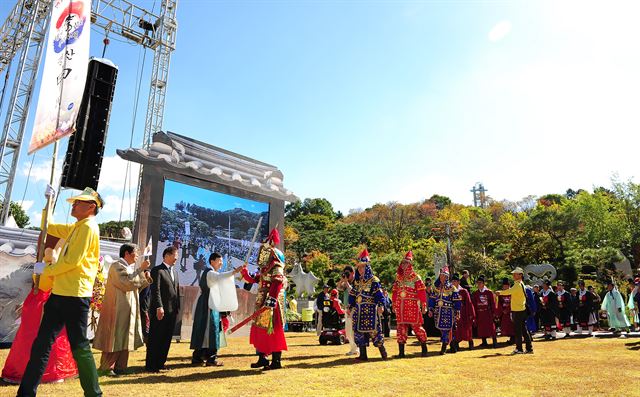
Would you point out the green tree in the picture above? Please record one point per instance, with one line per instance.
(19, 214)
(440, 201)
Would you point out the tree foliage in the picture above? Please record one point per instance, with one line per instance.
(581, 233)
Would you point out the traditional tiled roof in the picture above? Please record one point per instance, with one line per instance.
(21, 242)
(186, 156)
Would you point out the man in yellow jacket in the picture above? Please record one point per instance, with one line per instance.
(72, 275)
(519, 311)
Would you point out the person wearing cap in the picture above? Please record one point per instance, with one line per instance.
(519, 297)
(631, 303)
(444, 307)
(73, 275)
(584, 309)
(484, 304)
(409, 304)
(323, 301)
(613, 304)
(503, 313)
(548, 310)
(366, 302)
(464, 324)
(564, 307)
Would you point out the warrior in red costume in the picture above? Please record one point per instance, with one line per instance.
(267, 330)
(409, 299)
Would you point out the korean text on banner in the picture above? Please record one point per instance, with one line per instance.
(65, 72)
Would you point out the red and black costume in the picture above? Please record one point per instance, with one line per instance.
(565, 308)
(548, 310)
(267, 330)
(503, 313)
(409, 299)
(484, 304)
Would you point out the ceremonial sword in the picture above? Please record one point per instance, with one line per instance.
(262, 309)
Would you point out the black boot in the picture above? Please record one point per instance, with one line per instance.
(383, 352)
(275, 361)
(495, 342)
(363, 354)
(400, 350)
(471, 344)
(262, 362)
(484, 342)
(453, 347)
(424, 350)
(443, 349)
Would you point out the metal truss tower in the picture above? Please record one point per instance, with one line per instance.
(24, 31)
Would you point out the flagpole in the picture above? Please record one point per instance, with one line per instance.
(45, 219)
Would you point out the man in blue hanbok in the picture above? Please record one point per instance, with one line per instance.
(444, 307)
(366, 304)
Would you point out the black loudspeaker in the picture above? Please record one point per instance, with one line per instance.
(83, 160)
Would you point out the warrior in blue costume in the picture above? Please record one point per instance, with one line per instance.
(444, 306)
(366, 304)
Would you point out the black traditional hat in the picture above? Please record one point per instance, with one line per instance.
(480, 278)
(455, 277)
(505, 281)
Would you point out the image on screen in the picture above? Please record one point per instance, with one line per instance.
(199, 222)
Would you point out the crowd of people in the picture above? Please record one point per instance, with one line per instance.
(455, 312)
(447, 307)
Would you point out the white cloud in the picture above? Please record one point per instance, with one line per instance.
(499, 31)
(26, 204)
(35, 217)
(41, 172)
(113, 172)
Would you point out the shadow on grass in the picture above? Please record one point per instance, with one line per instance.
(494, 355)
(329, 364)
(300, 358)
(632, 344)
(634, 348)
(153, 378)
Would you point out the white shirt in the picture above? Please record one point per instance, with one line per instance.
(170, 267)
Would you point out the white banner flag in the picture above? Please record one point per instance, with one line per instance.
(65, 72)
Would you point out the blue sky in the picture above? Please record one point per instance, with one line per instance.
(175, 192)
(373, 101)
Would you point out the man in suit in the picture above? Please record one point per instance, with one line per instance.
(164, 308)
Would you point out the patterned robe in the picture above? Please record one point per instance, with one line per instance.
(365, 298)
(485, 305)
(444, 303)
(408, 295)
(267, 331)
(503, 314)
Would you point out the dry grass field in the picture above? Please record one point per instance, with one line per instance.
(575, 367)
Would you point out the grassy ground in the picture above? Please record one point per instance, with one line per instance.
(560, 368)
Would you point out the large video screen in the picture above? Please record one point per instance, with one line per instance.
(199, 222)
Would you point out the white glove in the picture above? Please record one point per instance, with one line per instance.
(38, 267)
(49, 191)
